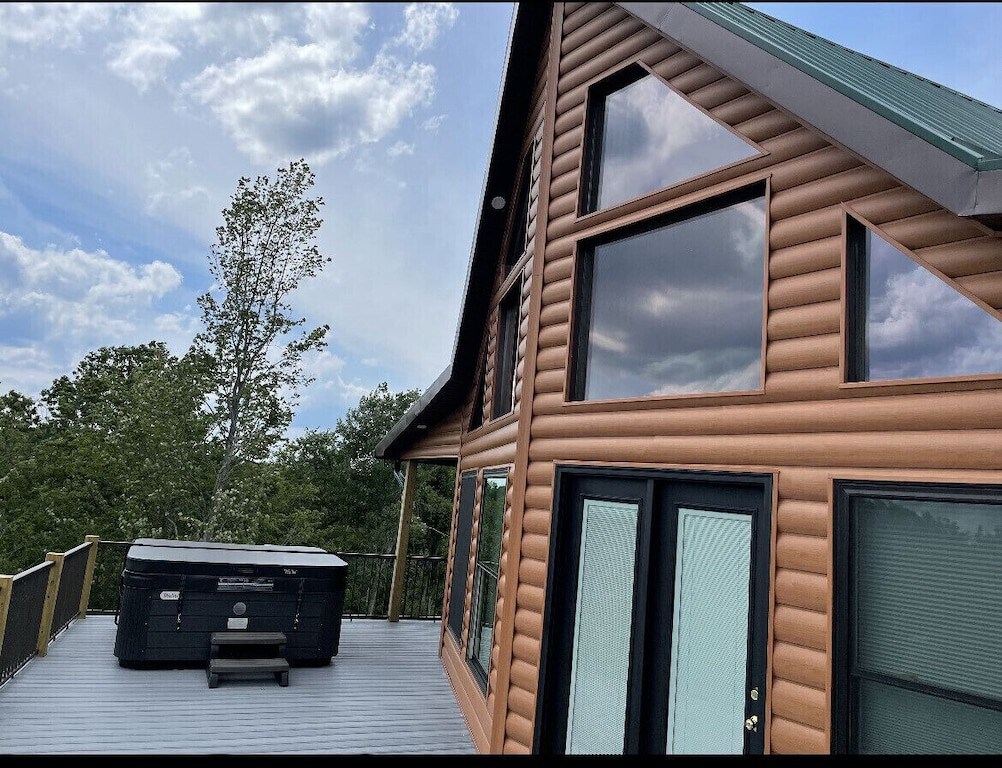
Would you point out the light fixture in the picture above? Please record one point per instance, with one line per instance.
(422, 426)
(498, 203)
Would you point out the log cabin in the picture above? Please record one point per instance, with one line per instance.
(725, 398)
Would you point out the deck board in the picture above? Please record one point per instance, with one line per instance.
(385, 692)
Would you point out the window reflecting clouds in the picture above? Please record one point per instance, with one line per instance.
(678, 309)
(653, 138)
(918, 326)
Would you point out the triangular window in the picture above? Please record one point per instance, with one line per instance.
(644, 136)
(905, 322)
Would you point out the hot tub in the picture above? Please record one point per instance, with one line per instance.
(176, 594)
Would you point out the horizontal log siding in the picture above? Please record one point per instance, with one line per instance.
(804, 426)
(441, 441)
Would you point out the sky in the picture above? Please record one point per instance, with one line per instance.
(124, 128)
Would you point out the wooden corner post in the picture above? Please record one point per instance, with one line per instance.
(49, 607)
(403, 539)
(88, 578)
(6, 587)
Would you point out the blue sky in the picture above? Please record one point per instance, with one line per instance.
(123, 130)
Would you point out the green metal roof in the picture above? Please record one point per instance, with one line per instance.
(966, 128)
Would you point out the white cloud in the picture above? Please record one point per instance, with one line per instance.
(77, 294)
(143, 61)
(433, 123)
(424, 22)
(291, 101)
(337, 27)
(172, 182)
(400, 148)
(62, 25)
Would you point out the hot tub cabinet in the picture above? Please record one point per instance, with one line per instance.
(175, 595)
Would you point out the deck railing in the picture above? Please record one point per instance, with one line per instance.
(370, 576)
(37, 604)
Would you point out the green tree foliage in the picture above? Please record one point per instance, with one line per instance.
(264, 249)
(123, 448)
(330, 490)
(119, 446)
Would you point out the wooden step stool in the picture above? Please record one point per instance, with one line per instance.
(242, 644)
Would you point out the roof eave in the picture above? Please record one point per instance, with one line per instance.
(526, 41)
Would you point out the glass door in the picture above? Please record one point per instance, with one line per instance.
(654, 640)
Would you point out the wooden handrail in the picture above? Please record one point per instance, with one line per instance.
(88, 579)
(49, 607)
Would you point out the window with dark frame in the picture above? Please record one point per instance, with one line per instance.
(918, 617)
(518, 234)
(486, 572)
(644, 136)
(904, 322)
(506, 355)
(674, 305)
(461, 554)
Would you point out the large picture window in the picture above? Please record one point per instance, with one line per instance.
(904, 322)
(486, 574)
(674, 308)
(918, 619)
(644, 136)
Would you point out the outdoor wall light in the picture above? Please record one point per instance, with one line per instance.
(497, 203)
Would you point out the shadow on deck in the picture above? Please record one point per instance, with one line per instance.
(385, 692)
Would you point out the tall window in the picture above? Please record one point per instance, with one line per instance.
(461, 554)
(518, 234)
(918, 619)
(507, 352)
(904, 322)
(677, 307)
(485, 575)
(644, 136)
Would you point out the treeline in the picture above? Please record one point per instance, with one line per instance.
(126, 446)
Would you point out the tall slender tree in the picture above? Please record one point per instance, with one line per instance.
(265, 248)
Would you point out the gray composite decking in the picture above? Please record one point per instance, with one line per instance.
(385, 692)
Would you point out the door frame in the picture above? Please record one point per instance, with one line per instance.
(549, 704)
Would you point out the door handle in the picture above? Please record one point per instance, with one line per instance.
(751, 724)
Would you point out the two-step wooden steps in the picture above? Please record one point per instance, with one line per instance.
(244, 653)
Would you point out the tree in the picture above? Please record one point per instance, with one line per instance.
(120, 448)
(264, 249)
(331, 491)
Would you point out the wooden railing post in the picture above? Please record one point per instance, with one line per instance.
(403, 538)
(6, 587)
(88, 578)
(49, 608)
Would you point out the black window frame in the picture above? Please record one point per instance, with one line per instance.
(857, 294)
(584, 274)
(844, 716)
(518, 220)
(482, 675)
(506, 352)
(591, 168)
(461, 554)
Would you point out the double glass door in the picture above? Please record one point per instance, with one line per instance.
(656, 620)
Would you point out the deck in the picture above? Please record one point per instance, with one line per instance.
(385, 692)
